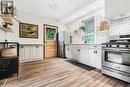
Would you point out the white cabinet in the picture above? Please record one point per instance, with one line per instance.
(92, 57)
(84, 56)
(116, 7)
(88, 55)
(95, 54)
(30, 53)
(27, 54)
(98, 58)
(69, 51)
(76, 52)
(72, 52)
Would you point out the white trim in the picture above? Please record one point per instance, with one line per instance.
(29, 60)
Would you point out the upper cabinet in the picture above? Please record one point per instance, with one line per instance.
(116, 7)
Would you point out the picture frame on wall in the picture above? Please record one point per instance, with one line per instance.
(50, 32)
(7, 7)
(28, 30)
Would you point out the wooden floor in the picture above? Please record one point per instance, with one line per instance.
(59, 73)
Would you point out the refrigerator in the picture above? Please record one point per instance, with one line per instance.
(63, 38)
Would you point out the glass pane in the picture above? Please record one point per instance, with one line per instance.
(89, 25)
(89, 39)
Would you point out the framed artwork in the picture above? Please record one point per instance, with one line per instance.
(89, 39)
(89, 25)
(28, 30)
(7, 7)
(50, 32)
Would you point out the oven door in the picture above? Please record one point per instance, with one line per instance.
(117, 59)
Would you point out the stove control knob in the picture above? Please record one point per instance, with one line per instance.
(127, 46)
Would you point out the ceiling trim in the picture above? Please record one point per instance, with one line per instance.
(88, 2)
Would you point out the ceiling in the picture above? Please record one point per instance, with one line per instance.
(59, 10)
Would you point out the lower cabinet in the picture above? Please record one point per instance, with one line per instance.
(30, 53)
(69, 51)
(84, 56)
(95, 57)
(76, 53)
(87, 55)
(72, 52)
(92, 57)
(98, 59)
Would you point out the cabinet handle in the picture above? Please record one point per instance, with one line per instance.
(96, 52)
(22, 46)
(37, 46)
(95, 46)
(78, 50)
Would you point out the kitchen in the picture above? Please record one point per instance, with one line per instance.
(89, 48)
(101, 46)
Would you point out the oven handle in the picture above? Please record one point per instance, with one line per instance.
(118, 50)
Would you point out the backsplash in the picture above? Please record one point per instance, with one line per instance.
(120, 26)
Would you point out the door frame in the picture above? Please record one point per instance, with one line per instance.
(44, 38)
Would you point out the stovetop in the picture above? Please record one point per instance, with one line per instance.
(120, 43)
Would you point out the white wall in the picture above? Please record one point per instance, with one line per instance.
(28, 17)
(98, 14)
(116, 7)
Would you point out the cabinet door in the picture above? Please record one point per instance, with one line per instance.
(98, 59)
(21, 53)
(27, 53)
(67, 51)
(92, 57)
(73, 52)
(38, 52)
(78, 53)
(84, 56)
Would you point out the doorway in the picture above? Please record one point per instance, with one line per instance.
(50, 41)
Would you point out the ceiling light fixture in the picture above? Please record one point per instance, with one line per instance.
(93, 7)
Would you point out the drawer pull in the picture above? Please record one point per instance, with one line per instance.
(78, 50)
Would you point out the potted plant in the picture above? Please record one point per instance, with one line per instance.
(82, 28)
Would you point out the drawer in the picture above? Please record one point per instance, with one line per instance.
(95, 47)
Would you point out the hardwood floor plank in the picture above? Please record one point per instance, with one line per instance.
(59, 73)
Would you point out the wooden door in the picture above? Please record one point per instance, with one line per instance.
(50, 41)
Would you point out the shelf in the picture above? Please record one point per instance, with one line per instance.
(6, 15)
(105, 31)
(8, 58)
(6, 29)
(8, 20)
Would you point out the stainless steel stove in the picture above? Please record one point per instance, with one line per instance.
(116, 58)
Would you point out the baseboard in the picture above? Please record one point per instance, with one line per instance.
(29, 60)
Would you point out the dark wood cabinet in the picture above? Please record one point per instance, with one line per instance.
(9, 65)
